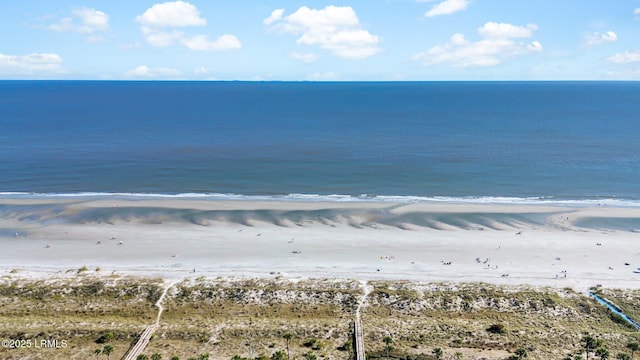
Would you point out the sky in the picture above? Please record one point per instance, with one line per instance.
(348, 40)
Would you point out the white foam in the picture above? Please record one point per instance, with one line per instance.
(542, 200)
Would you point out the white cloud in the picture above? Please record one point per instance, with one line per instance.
(597, 38)
(335, 29)
(497, 44)
(636, 12)
(328, 76)
(276, 15)
(329, 19)
(159, 23)
(304, 57)
(36, 63)
(83, 20)
(203, 43)
(503, 30)
(625, 57)
(161, 38)
(447, 7)
(534, 46)
(459, 39)
(144, 72)
(171, 14)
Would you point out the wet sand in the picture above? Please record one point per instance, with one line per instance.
(510, 244)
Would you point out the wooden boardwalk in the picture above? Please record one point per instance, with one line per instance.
(358, 338)
(142, 343)
(358, 334)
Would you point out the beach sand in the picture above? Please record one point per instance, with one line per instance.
(505, 244)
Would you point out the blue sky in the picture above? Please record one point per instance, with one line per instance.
(321, 40)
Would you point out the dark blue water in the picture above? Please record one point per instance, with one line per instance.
(566, 140)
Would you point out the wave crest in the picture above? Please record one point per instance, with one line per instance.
(406, 199)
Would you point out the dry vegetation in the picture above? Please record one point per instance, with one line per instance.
(77, 309)
(250, 318)
(548, 323)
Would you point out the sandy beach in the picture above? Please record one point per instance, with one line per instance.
(506, 244)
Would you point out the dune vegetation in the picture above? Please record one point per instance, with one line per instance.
(85, 315)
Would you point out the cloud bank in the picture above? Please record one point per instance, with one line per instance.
(171, 14)
(333, 28)
(144, 72)
(37, 63)
(83, 20)
(497, 44)
(160, 22)
(626, 57)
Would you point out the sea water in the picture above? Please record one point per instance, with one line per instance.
(440, 141)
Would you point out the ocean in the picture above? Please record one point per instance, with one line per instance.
(573, 142)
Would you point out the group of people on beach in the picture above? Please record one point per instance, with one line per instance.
(564, 274)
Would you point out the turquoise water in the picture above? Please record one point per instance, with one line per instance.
(484, 141)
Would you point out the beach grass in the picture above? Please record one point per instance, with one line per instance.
(549, 323)
(227, 317)
(74, 312)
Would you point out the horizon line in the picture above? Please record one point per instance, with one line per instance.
(308, 81)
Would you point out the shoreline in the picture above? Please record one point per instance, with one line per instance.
(502, 244)
(301, 198)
